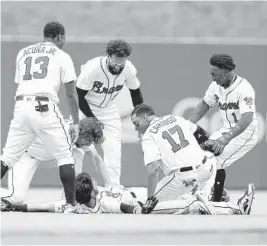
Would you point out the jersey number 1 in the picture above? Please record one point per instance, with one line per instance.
(168, 136)
(41, 74)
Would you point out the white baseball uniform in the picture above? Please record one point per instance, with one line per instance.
(234, 101)
(110, 202)
(103, 87)
(186, 166)
(40, 68)
(20, 176)
(106, 202)
(188, 204)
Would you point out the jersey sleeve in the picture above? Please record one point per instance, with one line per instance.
(247, 99)
(192, 127)
(110, 202)
(210, 97)
(132, 81)
(150, 150)
(67, 73)
(86, 78)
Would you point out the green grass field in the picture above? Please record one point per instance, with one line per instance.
(47, 229)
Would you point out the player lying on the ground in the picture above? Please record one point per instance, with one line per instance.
(20, 176)
(93, 200)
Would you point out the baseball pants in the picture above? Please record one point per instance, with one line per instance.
(19, 179)
(188, 204)
(28, 124)
(237, 147)
(199, 180)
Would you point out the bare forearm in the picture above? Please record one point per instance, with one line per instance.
(103, 169)
(201, 109)
(152, 181)
(39, 207)
(241, 126)
(79, 155)
(74, 107)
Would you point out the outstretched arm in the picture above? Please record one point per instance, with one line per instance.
(99, 164)
(152, 170)
(201, 109)
(38, 207)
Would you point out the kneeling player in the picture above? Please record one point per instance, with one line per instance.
(20, 176)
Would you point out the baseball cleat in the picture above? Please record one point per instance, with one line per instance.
(6, 206)
(69, 209)
(245, 202)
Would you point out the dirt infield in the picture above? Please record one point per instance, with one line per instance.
(47, 229)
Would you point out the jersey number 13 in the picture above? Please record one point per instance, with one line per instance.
(168, 136)
(43, 62)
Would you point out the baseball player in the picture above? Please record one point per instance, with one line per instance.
(100, 82)
(93, 199)
(235, 98)
(169, 144)
(20, 176)
(40, 69)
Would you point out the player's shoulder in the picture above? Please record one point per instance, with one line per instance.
(63, 55)
(24, 50)
(157, 125)
(176, 117)
(244, 83)
(92, 64)
(130, 68)
(213, 86)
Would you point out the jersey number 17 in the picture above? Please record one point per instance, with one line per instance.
(168, 136)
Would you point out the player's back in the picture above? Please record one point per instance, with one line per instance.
(175, 141)
(40, 68)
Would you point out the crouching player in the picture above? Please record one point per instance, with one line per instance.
(93, 200)
(20, 176)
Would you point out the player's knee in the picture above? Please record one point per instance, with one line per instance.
(66, 160)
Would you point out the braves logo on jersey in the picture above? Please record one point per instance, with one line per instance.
(230, 105)
(99, 88)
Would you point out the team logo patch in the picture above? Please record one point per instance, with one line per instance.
(248, 100)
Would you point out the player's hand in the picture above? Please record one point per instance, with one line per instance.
(150, 204)
(219, 145)
(74, 133)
